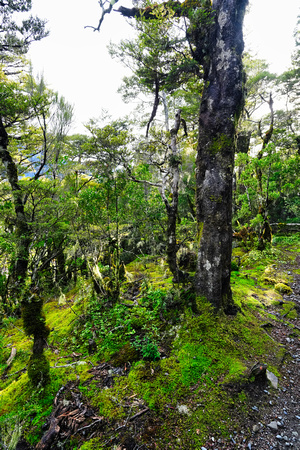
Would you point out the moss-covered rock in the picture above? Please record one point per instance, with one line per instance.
(283, 288)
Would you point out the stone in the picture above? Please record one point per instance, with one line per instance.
(255, 428)
(273, 425)
(272, 378)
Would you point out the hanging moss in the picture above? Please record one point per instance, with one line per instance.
(38, 369)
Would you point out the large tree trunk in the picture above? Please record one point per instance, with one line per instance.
(221, 105)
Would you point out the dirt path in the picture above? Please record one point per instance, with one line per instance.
(274, 421)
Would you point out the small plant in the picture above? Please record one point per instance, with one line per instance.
(147, 348)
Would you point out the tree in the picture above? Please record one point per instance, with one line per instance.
(216, 41)
(15, 38)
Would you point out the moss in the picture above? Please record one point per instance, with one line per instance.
(283, 288)
(199, 232)
(93, 444)
(34, 320)
(38, 370)
(215, 199)
(221, 143)
(127, 354)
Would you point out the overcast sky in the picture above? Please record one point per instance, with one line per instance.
(75, 61)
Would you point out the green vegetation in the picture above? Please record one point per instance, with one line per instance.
(178, 360)
(117, 262)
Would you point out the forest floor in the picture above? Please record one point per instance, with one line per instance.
(198, 395)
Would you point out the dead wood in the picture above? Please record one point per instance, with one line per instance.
(12, 356)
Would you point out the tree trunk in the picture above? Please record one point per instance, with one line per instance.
(33, 320)
(220, 108)
(22, 228)
(172, 207)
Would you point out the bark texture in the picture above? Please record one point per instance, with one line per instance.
(221, 105)
(172, 207)
(22, 228)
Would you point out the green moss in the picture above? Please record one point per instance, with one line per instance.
(221, 143)
(283, 288)
(93, 444)
(34, 320)
(215, 199)
(38, 370)
(199, 232)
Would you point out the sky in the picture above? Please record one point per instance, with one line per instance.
(75, 61)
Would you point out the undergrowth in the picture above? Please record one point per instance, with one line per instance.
(180, 356)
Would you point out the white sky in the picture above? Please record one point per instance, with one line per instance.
(75, 61)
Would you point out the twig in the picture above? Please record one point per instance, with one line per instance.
(138, 414)
(15, 373)
(77, 363)
(90, 425)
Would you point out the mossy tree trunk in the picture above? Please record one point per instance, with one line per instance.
(33, 318)
(20, 263)
(218, 41)
(220, 108)
(172, 206)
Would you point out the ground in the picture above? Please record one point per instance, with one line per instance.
(274, 422)
(201, 393)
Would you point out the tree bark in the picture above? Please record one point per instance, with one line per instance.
(220, 108)
(22, 227)
(172, 207)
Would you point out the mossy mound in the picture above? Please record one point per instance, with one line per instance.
(283, 288)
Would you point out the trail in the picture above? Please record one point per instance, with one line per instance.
(274, 421)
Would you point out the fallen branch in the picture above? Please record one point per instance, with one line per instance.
(77, 363)
(90, 425)
(12, 356)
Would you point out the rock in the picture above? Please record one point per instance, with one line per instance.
(273, 425)
(295, 434)
(272, 378)
(258, 369)
(255, 428)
